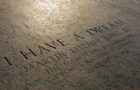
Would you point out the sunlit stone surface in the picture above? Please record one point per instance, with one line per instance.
(69, 45)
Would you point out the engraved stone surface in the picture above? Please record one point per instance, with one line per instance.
(69, 45)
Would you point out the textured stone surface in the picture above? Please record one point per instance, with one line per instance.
(69, 45)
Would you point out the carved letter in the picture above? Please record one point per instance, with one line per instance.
(7, 60)
(61, 42)
(52, 46)
(42, 48)
(25, 54)
(78, 37)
